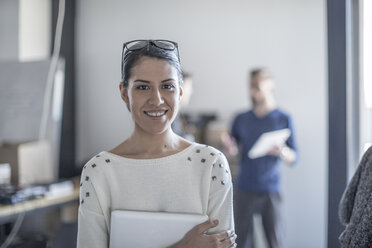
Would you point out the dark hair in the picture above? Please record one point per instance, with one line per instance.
(132, 58)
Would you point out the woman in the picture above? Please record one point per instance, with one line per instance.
(155, 169)
(355, 209)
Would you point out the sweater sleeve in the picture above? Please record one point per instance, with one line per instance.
(220, 204)
(347, 201)
(234, 132)
(92, 228)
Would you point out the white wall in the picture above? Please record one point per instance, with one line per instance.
(34, 29)
(219, 42)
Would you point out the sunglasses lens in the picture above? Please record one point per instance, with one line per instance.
(131, 46)
(164, 45)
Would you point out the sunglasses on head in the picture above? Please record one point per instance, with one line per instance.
(135, 45)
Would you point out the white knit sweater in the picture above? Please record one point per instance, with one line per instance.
(196, 180)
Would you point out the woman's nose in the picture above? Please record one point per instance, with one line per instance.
(156, 97)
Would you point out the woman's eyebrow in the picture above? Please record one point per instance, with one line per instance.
(167, 80)
(141, 81)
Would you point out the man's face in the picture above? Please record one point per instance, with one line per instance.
(260, 89)
(187, 91)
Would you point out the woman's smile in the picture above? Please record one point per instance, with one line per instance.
(153, 95)
(156, 113)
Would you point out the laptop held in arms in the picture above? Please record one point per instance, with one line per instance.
(142, 229)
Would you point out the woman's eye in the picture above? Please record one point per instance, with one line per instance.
(168, 86)
(143, 87)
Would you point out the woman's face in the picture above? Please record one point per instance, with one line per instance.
(153, 94)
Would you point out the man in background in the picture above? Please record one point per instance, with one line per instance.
(258, 181)
(180, 123)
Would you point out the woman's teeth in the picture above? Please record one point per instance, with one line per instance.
(155, 113)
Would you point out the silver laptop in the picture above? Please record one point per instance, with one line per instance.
(150, 229)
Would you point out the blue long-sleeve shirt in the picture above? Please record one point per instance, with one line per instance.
(261, 174)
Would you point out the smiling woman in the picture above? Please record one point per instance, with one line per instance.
(155, 170)
(153, 95)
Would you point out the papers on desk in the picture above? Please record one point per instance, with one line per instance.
(59, 189)
(12, 194)
(267, 141)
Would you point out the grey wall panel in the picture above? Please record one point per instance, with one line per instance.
(9, 29)
(22, 87)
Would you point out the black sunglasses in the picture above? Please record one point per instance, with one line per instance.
(134, 45)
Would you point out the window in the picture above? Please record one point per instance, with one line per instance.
(366, 58)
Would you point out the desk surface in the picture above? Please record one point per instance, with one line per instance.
(9, 212)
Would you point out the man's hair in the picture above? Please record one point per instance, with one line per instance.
(186, 75)
(261, 73)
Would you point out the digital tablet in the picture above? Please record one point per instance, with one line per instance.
(267, 141)
(150, 229)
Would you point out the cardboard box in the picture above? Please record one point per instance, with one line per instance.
(31, 162)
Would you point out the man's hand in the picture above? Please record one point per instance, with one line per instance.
(230, 147)
(283, 152)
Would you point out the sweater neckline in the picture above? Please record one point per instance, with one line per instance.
(149, 160)
(265, 116)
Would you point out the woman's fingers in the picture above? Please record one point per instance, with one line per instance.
(229, 242)
(226, 239)
(197, 237)
(203, 227)
(224, 235)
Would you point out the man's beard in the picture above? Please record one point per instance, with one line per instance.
(256, 102)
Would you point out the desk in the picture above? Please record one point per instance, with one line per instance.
(10, 212)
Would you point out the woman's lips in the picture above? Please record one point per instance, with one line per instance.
(156, 113)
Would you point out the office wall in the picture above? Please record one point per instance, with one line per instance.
(25, 30)
(8, 30)
(219, 42)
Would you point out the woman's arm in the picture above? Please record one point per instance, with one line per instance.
(219, 230)
(220, 202)
(92, 228)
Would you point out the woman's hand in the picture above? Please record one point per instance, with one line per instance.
(197, 237)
